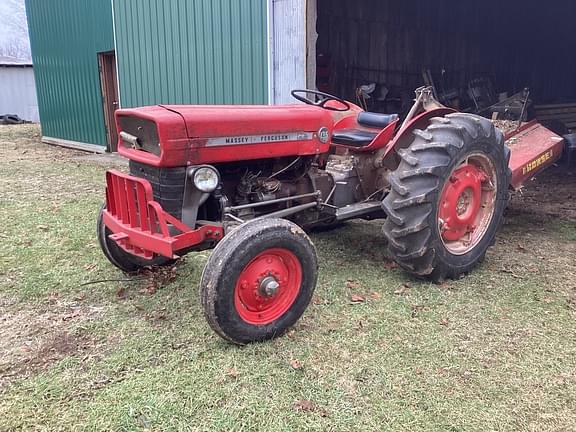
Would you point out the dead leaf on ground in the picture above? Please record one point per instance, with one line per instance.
(375, 296)
(356, 298)
(304, 405)
(80, 297)
(71, 316)
(352, 284)
(295, 364)
(150, 288)
(53, 297)
(390, 265)
(317, 300)
(232, 373)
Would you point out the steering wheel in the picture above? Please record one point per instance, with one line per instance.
(324, 99)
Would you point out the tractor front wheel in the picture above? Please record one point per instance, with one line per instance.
(258, 280)
(125, 261)
(447, 196)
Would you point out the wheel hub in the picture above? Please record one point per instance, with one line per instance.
(461, 201)
(268, 286)
(466, 204)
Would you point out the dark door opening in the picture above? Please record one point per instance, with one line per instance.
(109, 86)
(474, 53)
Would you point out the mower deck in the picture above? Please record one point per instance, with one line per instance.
(532, 148)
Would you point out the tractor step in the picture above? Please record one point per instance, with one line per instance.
(532, 148)
(358, 210)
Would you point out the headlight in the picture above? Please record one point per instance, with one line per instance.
(206, 179)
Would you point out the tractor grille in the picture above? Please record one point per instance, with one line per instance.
(167, 185)
(145, 132)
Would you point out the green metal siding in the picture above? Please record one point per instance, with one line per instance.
(66, 36)
(191, 51)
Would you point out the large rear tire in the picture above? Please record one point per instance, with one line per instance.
(447, 197)
(125, 261)
(258, 281)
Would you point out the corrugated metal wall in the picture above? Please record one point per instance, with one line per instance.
(289, 48)
(66, 36)
(191, 51)
(517, 43)
(18, 93)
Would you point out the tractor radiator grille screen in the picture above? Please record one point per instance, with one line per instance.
(167, 185)
(143, 134)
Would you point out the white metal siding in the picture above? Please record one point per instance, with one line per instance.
(288, 27)
(18, 93)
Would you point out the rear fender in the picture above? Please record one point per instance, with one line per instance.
(404, 137)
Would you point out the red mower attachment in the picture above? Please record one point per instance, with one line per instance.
(534, 148)
(140, 226)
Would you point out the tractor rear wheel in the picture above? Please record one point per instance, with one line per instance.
(125, 261)
(258, 280)
(447, 196)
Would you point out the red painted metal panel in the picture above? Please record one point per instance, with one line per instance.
(381, 140)
(141, 226)
(404, 136)
(533, 148)
(185, 132)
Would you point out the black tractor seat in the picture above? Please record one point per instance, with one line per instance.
(376, 120)
(362, 138)
(353, 137)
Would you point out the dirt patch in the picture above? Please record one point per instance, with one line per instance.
(551, 195)
(106, 159)
(533, 245)
(23, 143)
(33, 340)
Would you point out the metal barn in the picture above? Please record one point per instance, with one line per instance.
(93, 56)
(17, 89)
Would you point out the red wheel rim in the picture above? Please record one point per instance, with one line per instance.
(467, 204)
(268, 286)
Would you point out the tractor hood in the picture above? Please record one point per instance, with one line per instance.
(180, 135)
(217, 121)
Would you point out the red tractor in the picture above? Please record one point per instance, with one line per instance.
(248, 180)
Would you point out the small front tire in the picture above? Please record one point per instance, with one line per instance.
(125, 261)
(258, 281)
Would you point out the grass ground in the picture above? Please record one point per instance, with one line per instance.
(493, 351)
